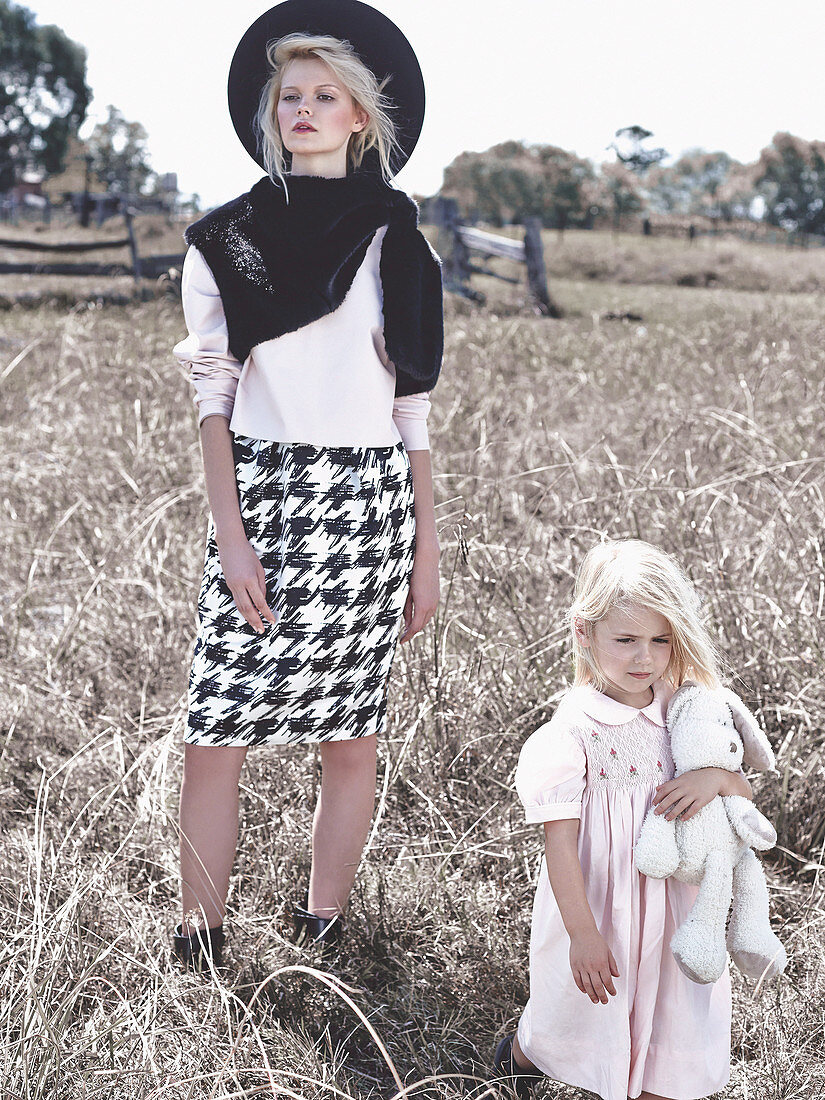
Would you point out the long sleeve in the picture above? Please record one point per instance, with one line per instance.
(213, 370)
(550, 776)
(410, 417)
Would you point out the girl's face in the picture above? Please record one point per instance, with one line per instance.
(316, 118)
(632, 647)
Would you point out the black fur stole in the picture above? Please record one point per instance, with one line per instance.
(280, 265)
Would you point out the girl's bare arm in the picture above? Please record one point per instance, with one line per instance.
(591, 960)
(684, 797)
(423, 596)
(240, 564)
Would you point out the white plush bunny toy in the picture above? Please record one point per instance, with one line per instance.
(714, 729)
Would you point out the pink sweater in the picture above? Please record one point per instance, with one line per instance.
(329, 383)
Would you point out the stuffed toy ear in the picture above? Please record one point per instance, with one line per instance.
(758, 751)
(680, 699)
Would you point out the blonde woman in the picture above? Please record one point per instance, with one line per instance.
(313, 305)
(609, 1009)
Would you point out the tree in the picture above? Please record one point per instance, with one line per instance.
(698, 184)
(790, 176)
(630, 150)
(568, 185)
(43, 94)
(736, 195)
(619, 191)
(119, 154)
(667, 190)
(499, 185)
(513, 181)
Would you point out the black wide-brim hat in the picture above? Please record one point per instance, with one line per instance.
(375, 38)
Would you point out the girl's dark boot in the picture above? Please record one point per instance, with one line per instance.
(309, 928)
(521, 1081)
(196, 949)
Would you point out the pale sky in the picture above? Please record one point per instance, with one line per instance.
(720, 74)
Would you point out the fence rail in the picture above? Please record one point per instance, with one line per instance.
(456, 241)
(69, 246)
(148, 267)
(492, 244)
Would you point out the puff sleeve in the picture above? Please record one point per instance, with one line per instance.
(213, 370)
(550, 776)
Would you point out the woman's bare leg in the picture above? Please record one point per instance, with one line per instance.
(208, 831)
(342, 819)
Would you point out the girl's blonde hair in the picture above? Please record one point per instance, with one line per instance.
(627, 572)
(356, 78)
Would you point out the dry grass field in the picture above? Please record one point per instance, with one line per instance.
(700, 427)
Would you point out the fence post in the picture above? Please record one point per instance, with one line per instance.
(536, 272)
(455, 257)
(128, 214)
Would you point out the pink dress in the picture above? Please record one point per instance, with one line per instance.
(601, 761)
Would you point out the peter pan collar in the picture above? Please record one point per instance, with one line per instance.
(613, 713)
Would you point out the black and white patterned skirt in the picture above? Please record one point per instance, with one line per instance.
(334, 529)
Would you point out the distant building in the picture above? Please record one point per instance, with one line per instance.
(73, 177)
(28, 191)
(25, 197)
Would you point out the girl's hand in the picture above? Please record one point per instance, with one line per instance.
(422, 599)
(246, 579)
(593, 966)
(686, 796)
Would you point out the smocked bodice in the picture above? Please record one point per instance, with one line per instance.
(635, 753)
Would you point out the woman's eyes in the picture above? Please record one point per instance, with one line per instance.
(659, 641)
(289, 96)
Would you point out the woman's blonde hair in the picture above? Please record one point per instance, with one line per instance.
(630, 572)
(357, 79)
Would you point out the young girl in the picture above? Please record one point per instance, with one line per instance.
(609, 1009)
(313, 306)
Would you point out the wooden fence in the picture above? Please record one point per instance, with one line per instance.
(141, 267)
(457, 241)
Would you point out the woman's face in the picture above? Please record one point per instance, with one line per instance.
(316, 118)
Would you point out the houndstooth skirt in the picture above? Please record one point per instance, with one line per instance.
(335, 531)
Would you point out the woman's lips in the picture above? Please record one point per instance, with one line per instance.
(640, 675)
(303, 128)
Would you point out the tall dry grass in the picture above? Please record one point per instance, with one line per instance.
(721, 262)
(700, 428)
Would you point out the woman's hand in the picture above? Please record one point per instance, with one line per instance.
(422, 599)
(686, 796)
(240, 564)
(593, 965)
(246, 579)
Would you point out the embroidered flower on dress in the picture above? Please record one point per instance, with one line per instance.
(659, 764)
(595, 735)
(603, 774)
(632, 770)
(613, 752)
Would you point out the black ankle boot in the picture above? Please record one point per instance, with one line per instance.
(309, 928)
(521, 1081)
(195, 949)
